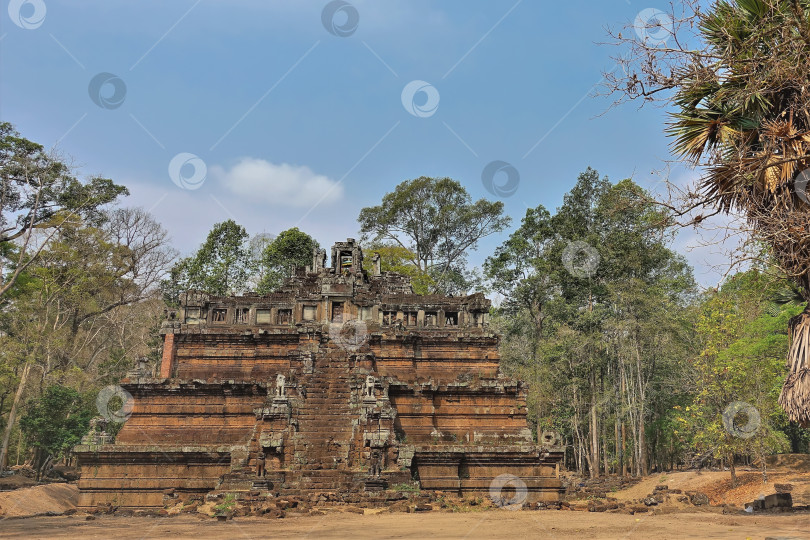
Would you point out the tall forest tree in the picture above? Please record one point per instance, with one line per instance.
(55, 423)
(394, 258)
(291, 249)
(66, 320)
(591, 314)
(221, 266)
(738, 372)
(39, 194)
(437, 222)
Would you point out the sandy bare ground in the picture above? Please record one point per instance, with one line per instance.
(435, 525)
(717, 485)
(54, 498)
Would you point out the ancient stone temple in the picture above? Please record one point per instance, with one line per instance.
(341, 380)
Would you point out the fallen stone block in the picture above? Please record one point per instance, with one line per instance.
(778, 500)
(699, 499)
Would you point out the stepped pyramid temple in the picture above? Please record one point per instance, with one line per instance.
(341, 381)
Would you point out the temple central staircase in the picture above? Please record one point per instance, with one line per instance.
(322, 446)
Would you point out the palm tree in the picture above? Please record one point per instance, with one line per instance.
(743, 112)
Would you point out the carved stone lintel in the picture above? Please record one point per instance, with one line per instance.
(377, 439)
(271, 440)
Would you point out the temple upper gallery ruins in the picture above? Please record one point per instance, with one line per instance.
(342, 380)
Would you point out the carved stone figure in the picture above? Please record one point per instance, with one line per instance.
(260, 462)
(281, 393)
(376, 463)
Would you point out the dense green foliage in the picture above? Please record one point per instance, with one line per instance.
(593, 316)
(625, 359)
(291, 249)
(229, 262)
(221, 266)
(741, 363)
(398, 259)
(436, 221)
(55, 422)
(38, 192)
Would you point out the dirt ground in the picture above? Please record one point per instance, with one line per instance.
(435, 525)
(668, 521)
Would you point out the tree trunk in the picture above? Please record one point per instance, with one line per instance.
(594, 430)
(617, 445)
(12, 417)
(19, 445)
(620, 415)
(605, 446)
(796, 388)
(644, 469)
(642, 447)
(580, 439)
(733, 470)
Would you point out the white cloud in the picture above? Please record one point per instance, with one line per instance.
(278, 185)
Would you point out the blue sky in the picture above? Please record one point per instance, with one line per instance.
(298, 126)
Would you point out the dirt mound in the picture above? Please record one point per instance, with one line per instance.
(38, 500)
(717, 485)
(795, 462)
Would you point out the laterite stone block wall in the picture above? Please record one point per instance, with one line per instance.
(338, 373)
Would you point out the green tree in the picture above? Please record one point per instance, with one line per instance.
(39, 193)
(394, 258)
(592, 316)
(739, 372)
(55, 422)
(291, 249)
(437, 221)
(258, 243)
(221, 266)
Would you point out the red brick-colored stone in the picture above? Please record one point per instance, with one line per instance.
(386, 390)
